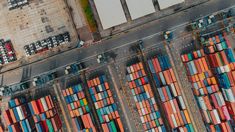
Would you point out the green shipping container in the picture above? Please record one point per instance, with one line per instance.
(114, 129)
(190, 57)
(50, 127)
(81, 102)
(191, 127)
(224, 45)
(100, 116)
(157, 123)
(87, 108)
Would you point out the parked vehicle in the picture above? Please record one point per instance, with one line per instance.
(48, 43)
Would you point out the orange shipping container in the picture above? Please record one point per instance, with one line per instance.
(105, 127)
(187, 116)
(172, 75)
(7, 117)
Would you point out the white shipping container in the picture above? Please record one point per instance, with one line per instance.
(159, 129)
(181, 129)
(206, 116)
(216, 116)
(132, 69)
(133, 91)
(153, 100)
(19, 112)
(100, 87)
(230, 95)
(99, 95)
(106, 118)
(226, 68)
(143, 111)
(195, 85)
(96, 105)
(154, 114)
(162, 78)
(75, 97)
(80, 111)
(28, 125)
(131, 77)
(191, 63)
(142, 119)
(202, 103)
(128, 69)
(151, 116)
(181, 101)
(153, 130)
(225, 94)
(174, 120)
(221, 98)
(147, 93)
(173, 89)
(44, 104)
(201, 91)
(219, 46)
(135, 99)
(222, 69)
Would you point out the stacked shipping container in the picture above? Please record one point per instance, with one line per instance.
(144, 98)
(105, 106)
(170, 94)
(39, 115)
(78, 108)
(211, 72)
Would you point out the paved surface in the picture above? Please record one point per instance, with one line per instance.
(35, 21)
(151, 35)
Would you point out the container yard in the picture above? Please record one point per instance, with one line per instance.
(105, 106)
(79, 110)
(211, 72)
(36, 115)
(144, 98)
(170, 94)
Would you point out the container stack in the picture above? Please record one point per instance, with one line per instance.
(105, 106)
(210, 70)
(144, 98)
(39, 115)
(78, 108)
(170, 94)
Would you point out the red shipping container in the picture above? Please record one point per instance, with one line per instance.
(215, 103)
(212, 128)
(158, 64)
(35, 107)
(231, 107)
(221, 114)
(155, 66)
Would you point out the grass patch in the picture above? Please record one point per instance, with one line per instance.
(89, 15)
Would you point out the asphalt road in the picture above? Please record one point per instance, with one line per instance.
(151, 33)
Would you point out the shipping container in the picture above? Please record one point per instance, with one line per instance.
(214, 90)
(169, 91)
(105, 106)
(77, 104)
(143, 95)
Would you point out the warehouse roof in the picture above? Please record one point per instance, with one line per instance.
(140, 8)
(168, 3)
(110, 12)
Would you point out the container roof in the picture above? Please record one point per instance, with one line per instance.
(140, 8)
(110, 13)
(168, 3)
